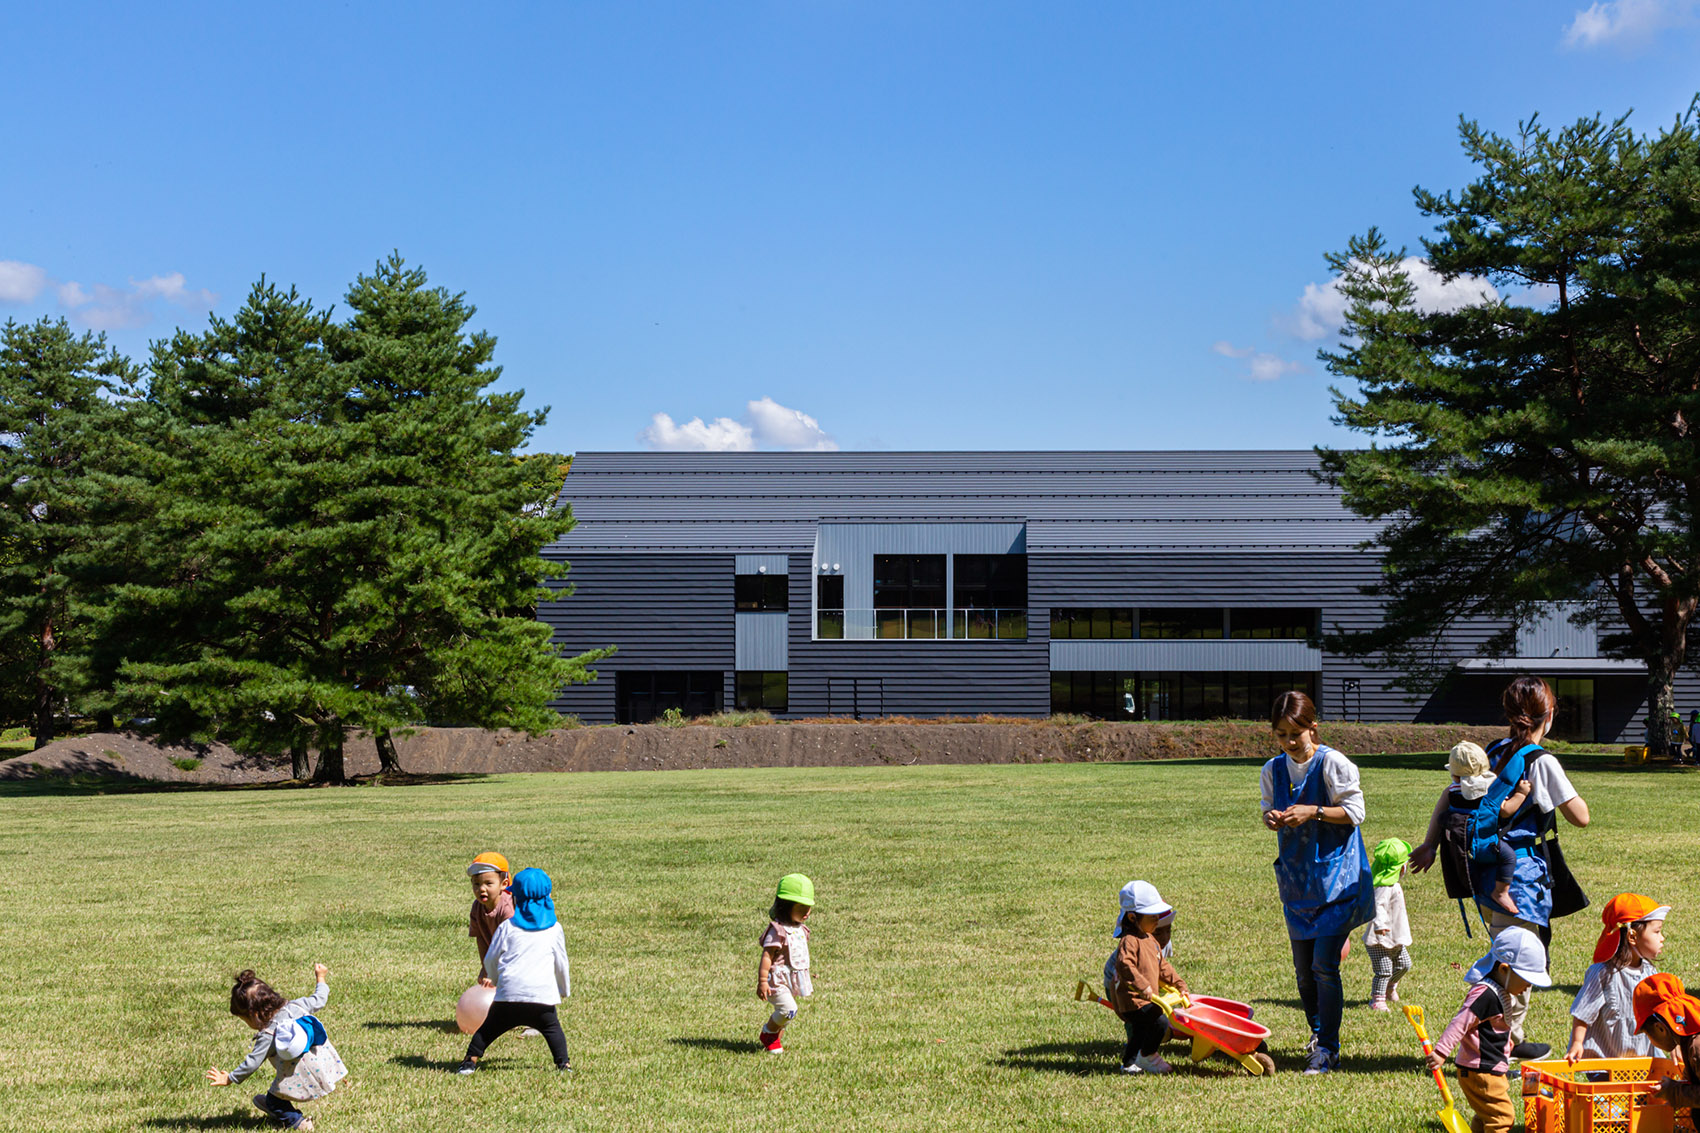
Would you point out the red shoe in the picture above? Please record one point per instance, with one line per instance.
(770, 1042)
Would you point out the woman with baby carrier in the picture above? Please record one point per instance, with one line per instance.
(1541, 885)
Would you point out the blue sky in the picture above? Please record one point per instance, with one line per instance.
(788, 225)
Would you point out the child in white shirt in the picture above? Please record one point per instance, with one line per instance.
(527, 958)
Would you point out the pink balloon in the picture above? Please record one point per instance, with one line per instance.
(472, 1007)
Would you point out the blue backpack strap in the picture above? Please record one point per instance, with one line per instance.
(1485, 823)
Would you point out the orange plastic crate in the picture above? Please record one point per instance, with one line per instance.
(1596, 1095)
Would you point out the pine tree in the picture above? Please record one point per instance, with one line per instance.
(1539, 446)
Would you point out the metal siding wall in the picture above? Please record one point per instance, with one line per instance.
(761, 641)
(1554, 636)
(1230, 656)
(761, 564)
(923, 678)
(662, 611)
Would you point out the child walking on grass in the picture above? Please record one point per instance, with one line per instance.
(527, 959)
(1480, 1033)
(782, 977)
(1388, 936)
(254, 1002)
(1134, 975)
(1602, 1017)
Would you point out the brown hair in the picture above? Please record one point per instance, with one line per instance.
(254, 998)
(1528, 703)
(1295, 708)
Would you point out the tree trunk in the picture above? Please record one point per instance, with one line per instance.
(44, 692)
(330, 754)
(388, 760)
(299, 767)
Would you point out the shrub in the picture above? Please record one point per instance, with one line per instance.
(672, 718)
(186, 763)
(739, 719)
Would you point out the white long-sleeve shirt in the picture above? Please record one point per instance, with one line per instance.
(1339, 776)
(529, 966)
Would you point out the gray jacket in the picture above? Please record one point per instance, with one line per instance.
(263, 1045)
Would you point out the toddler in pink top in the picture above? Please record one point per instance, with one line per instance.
(783, 976)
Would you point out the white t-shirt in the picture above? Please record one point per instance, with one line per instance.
(529, 965)
(1339, 776)
(1549, 786)
(1391, 927)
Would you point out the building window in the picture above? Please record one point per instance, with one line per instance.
(1175, 696)
(640, 697)
(990, 582)
(829, 606)
(761, 690)
(1277, 623)
(1574, 720)
(1096, 622)
(1180, 622)
(762, 592)
(908, 582)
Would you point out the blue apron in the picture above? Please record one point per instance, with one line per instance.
(1321, 871)
(1531, 883)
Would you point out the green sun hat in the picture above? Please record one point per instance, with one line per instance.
(1389, 856)
(796, 887)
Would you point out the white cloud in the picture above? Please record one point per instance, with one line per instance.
(788, 428)
(113, 308)
(20, 282)
(1321, 310)
(696, 435)
(1627, 22)
(1261, 366)
(766, 424)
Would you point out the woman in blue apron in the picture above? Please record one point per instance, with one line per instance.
(1312, 800)
(1529, 705)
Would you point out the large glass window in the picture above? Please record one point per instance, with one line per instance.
(762, 592)
(1096, 622)
(829, 606)
(990, 582)
(1271, 623)
(755, 689)
(640, 697)
(908, 582)
(1180, 622)
(1175, 696)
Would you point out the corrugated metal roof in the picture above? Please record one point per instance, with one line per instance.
(1070, 500)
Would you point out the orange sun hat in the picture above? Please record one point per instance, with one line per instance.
(487, 863)
(1622, 910)
(1663, 995)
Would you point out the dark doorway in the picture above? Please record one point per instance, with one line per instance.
(642, 697)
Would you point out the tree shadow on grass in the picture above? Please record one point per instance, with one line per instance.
(736, 1046)
(420, 1062)
(446, 1026)
(79, 783)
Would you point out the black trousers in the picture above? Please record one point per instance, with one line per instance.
(505, 1016)
(1145, 1030)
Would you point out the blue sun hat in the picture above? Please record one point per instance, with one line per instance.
(293, 1038)
(534, 908)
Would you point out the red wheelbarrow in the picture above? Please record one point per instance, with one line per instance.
(1212, 1024)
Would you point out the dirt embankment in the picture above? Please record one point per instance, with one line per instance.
(433, 751)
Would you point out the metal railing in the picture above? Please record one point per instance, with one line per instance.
(921, 624)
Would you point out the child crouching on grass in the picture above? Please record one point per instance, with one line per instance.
(1133, 976)
(528, 960)
(1479, 1032)
(254, 1002)
(1388, 936)
(783, 977)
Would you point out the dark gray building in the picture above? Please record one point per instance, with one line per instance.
(1188, 584)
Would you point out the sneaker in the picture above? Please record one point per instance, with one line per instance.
(1152, 1064)
(1132, 1068)
(1310, 1047)
(305, 1125)
(467, 1067)
(565, 1067)
(1322, 1061)
(1529, 1052)
(1393, 994)
(773, 1046)
(1378, 1005)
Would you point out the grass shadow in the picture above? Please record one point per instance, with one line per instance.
(236, 1120)
(80, 784)
(1099, 1056)
(736, 1046)
(445, 1026)
(420, 1062)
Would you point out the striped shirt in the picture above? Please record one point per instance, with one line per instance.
(1605, 1003)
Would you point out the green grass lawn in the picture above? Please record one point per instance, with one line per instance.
(958, 906)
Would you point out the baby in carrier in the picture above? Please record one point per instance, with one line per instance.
(1472, 777)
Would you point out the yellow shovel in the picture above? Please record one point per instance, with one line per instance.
(1450, 1119)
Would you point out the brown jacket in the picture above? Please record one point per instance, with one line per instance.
(1135, 970)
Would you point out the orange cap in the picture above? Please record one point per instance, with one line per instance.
(483, 863)
(1624, 909)
(1663, 995)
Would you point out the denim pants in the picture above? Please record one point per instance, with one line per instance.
(279, 1109)
(1316, 963)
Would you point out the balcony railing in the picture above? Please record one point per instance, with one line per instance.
(922, 624)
